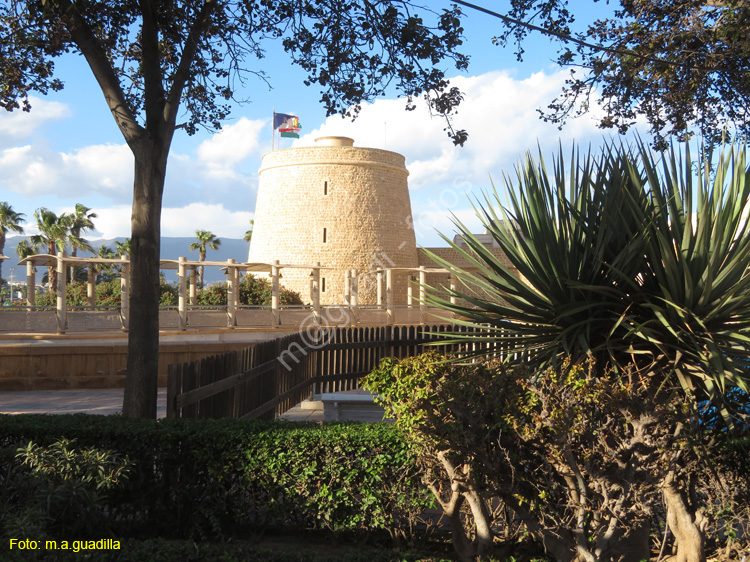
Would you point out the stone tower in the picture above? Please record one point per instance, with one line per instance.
(343, 206)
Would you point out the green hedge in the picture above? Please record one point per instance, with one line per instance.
(209, 479)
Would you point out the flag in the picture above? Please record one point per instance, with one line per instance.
(284, 122)
(288, 125)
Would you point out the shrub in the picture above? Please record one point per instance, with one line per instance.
(61, 489)
(581, 457)
(253, 291)
(213, 478)
(108, 293)
(169, 294)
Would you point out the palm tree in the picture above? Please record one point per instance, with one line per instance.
(101, 270)
(249, 233)
(80, 222)
(9, 221)
(122, 248)
(53, 233)
(206, 240)
(25, 248)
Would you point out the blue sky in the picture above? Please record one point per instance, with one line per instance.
(68, 149)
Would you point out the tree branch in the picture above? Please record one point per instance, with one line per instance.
(571, 39)
(153, 88)
(182, 73)
(90, 48)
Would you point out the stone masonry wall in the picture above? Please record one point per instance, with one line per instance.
(343, 206)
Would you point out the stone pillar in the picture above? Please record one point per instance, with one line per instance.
(422, 281)
(61, 310)
(410, 290)
(389, 295)
(275, 293)
(348, 287)
(125, 293)
(453, 288)
(193, 285)
(91, 286)
(355, 296)
(232, 294)
(379, 288)
(182, 292)
(30, 284)
(315, 290)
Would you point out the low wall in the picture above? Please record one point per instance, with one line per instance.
(74, 363)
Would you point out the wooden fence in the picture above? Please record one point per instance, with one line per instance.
(266, 380)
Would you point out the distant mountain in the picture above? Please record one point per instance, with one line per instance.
(171, 249)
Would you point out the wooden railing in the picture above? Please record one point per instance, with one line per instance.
(27, 319)
(268, 379)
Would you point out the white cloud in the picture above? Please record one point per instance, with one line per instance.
(233, 144)
(34, 170)
(499, 112)
(101, 168)
(24, 168)
(218, 219)
(18, 124)
(105, 172)
(112, 222)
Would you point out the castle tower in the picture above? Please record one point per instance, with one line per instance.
(343, 206)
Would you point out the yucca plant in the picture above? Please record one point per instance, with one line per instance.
(623, 257)
(695, 298)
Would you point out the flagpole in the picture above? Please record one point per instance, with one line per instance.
(273, 120)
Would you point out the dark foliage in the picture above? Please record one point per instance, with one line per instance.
(681, 64)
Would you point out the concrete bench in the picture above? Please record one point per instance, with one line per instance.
(352, 405)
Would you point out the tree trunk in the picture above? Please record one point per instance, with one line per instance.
(465, 549)
(558, 542)
(461, 543)
(2, 248)
(482, 520)
(72, 269)
(52, 271)
(143, 338)
(686, 523)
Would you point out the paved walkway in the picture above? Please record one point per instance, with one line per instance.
(102, 401)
